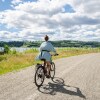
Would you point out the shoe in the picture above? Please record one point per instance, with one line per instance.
(47, 76)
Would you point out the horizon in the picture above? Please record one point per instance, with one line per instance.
(30, 20)
(50, 41)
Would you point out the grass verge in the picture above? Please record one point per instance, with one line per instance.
(14, 62)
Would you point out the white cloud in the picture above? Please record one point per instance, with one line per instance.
(35, 19)
(87, 7)
(3, 0)
(6, 36)
(15, 2)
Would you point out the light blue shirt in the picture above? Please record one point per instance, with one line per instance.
(44, 54)
(47, 46)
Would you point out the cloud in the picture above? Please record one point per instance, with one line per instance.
(6, 36)
(15, 2)
(3, 0)
(90, 7)
(80, 21)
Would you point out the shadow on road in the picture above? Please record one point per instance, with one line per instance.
(58, 85)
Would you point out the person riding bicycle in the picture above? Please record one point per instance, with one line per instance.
(45, 49)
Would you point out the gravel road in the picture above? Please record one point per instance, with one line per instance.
(77, 78)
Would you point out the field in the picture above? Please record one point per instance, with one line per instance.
(14, 61)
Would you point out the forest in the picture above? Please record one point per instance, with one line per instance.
(62, 43)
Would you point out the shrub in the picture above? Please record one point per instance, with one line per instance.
(6, 49)
(14, 51)
(2, 58)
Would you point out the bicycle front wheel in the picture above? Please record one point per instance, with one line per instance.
(39, 76)
(52, 70)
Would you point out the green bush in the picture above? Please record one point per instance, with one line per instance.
(32, 50)
(14, 52)
(2, 58)
(6, 49)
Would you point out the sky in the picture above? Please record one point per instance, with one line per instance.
(31, 20)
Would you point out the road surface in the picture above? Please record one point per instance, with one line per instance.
(77, 78)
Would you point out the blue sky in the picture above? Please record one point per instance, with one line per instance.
(32, 19)
(6, 4)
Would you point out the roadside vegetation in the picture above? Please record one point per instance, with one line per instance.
(13, 60)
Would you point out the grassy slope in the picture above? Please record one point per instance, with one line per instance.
(11, 62)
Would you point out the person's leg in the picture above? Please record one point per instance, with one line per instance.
(48, 68)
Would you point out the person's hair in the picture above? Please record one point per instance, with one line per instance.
(46, 38)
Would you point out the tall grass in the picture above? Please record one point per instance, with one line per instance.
(15, 60)
(67, 52)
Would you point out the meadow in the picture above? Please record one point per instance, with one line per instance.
(14, 61)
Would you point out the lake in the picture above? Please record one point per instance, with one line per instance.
(19, 49)
(22, 49)
(1, 49)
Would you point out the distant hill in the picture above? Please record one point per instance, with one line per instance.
(62, 43)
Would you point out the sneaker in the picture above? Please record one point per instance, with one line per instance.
(47, 76)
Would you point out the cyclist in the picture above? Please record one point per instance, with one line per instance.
(45, 49)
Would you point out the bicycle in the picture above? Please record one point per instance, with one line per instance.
(41, 72)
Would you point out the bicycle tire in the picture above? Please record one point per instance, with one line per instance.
(39, 75)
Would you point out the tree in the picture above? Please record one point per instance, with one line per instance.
(6, 49)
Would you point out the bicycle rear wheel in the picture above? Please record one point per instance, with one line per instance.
(39, 76)
(52, 70)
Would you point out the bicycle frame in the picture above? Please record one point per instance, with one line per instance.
(42, 75)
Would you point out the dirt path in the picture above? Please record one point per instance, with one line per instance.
(77, 78)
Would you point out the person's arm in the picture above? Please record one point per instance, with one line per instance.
(52, 48)
(40, 48)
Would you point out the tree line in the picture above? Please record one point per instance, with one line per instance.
(62, 43)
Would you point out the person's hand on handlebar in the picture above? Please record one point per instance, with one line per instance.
(54, 54)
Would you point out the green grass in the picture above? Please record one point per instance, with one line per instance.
(15, 61)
